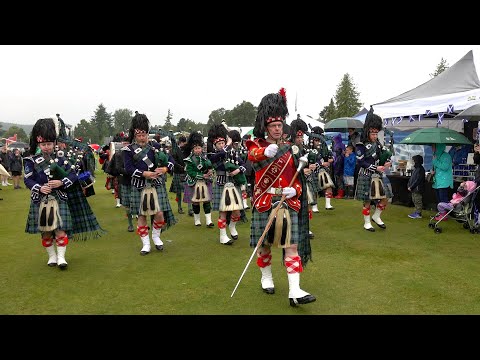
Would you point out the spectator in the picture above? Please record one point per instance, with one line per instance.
(349, 163)
(416, 185)
(442, 174)
(16, 167)
(4, 160)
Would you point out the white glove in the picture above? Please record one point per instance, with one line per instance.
(289, 192)
(271, 150)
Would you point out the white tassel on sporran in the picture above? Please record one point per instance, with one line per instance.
(279, 233)
(231, 199)
(377, 191)
(200, 192)
(149, 201)
(49, 217)
(325, 180)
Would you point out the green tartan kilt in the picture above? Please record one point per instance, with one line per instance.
(217, 196)
(33, 212)
(83, 219)
(362, 192)
(177, 185)
(162, 201)
(125, 193)
(260, 220)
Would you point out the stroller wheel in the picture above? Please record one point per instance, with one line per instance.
(465, 226)
(438, 230)
(473, 231)
(431, 225)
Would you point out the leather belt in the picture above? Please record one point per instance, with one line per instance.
(275, 191)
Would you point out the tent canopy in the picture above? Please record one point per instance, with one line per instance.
(436, 101)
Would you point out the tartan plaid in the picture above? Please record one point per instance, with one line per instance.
(32, 219)
(259, 221)
(301, 234)
(177, 184)
(125, 193)
(362, 191)
(168, 216)
(217, 196)
(188, 192)
(85, 224)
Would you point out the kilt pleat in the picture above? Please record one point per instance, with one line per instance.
(85, 224)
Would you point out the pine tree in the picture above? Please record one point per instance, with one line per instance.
(347, 98)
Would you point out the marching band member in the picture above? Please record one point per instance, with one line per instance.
(275, 167)
(229, 168)
(146, 164)
(48, 180)
(198, 186)
(372, 183)
(324, 160)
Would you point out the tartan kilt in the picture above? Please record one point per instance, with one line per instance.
(177, 184)
(188, 192)
(260, 220)
(163, 201)
(312, 181)
(217, 196)
(362, 191)
(83, 219)
(33, 213)
(125, 193)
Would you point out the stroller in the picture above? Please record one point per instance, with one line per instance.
(464, 212)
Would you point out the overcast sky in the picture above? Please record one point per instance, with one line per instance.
(193, 80)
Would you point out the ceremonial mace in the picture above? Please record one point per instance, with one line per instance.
(303, 161)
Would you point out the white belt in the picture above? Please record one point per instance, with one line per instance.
(275, 191)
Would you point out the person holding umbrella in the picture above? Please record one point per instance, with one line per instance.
(442, 175)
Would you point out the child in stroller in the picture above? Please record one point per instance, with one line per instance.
(459, 207)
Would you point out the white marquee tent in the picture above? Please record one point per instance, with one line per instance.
(436, 101)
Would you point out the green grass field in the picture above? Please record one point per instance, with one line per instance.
(405, 269)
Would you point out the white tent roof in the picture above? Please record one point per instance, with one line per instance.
(439, 99)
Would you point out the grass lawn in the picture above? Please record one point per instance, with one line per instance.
(405, 269)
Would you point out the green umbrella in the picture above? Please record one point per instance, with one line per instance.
(343, 124)
(436, 135)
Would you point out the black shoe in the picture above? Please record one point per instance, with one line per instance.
(210, 225)
(269, 291)
(63, 266)
(381, 226)
(130, 228)
(230, 242)
(303, 300)
(330, 208)
(52, 264)
(180, 211)
(311, 235)
(370, 229)
(159, 247)
(143, 253)
(190, 212)
(234, 237)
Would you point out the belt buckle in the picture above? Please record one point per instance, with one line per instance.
(278, 191)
